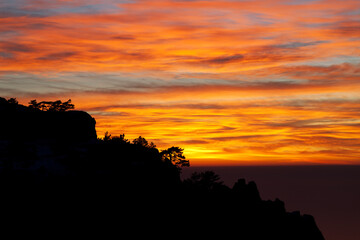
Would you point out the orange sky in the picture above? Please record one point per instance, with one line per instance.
(232, 82)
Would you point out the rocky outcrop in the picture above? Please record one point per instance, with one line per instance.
(23, 123)
(31, 139)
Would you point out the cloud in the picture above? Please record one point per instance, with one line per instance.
(47, 8)
(59, 56)
(6, 55)
(124, 37)
(346, 29)
(299, 44)
(108, 113)
(194, 142)
(225, 59)
(254, 137)
(15, 47)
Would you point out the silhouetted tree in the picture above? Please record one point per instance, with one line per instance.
(143, 142)
(208, 181)
(107, 136)
(13, 101)
(65, 106)
(34, 104)
(56, 106)
(121, 139)
(176, 156)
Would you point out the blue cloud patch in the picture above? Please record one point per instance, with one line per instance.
(299, 44)
(18, 8)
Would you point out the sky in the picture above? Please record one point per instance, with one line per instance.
(236, 82)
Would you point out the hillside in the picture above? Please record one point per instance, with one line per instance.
(56, 156)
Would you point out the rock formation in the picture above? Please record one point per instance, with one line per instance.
(56, 156)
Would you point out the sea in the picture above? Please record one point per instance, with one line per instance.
(330, 193)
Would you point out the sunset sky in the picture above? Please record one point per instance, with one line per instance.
(233, 82)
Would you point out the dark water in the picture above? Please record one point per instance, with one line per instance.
(330, 193)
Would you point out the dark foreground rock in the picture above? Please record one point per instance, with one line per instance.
(53, 166)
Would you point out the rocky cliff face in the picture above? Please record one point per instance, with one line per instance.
(23, 123)
(31, 139)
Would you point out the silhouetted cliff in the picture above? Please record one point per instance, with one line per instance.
(55, 161)
(24, 123)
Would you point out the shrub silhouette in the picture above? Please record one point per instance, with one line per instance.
(12, 101)
(206, 182)
(143, 142)
(55, 106)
